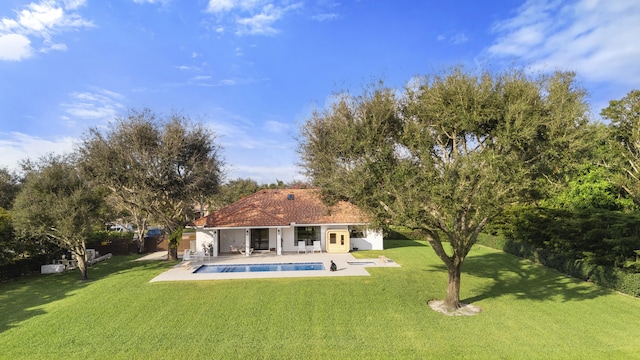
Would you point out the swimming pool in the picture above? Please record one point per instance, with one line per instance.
(226, 268)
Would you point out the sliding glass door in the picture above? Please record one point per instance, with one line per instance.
(260, 239)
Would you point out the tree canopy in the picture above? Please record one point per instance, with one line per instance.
(9, 188)
(156, 169)
(447, 154)
(624, 117)
(56, 203)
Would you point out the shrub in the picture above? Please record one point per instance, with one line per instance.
(402, 233)
(606, 276)
(24, 266)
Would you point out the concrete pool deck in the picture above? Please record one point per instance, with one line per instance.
(183, 272)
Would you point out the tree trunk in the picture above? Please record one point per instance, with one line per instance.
(172, 253)
(452, 301)
(82, 266)
(80, 252)
(140, 241)
(174, 241)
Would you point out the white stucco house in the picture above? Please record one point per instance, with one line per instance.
(279, 220)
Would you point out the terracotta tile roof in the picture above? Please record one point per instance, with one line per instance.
(273, 207)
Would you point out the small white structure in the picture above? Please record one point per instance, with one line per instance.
(52, 268)
(278, 219)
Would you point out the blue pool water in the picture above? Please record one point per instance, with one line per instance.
(206, 269)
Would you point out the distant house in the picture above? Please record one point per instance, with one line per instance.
(277, 220)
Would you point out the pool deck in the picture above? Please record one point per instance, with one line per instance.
(185, 271)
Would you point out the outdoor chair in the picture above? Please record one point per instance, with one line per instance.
(243, 251)
(197, 256)
(233, 249)
(316, 246)
(186, 256)
(302, 247)
(193, 256)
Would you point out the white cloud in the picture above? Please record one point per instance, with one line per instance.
(39, 22)
(40, 17)
(16, 147)
(326, 17)
(265, 174)
(276, 126)
(596, 38)
(458, 38)
(221, 5)
(14, 47)
(101, 105)
(57, 47)
(161, 2)
(73, 4)
(250, 17)
(261, 23)
(237, 132)
(236, 135)
(253, 152)
(223, 82)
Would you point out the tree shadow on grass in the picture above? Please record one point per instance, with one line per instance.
(524, 280)
(24, 297)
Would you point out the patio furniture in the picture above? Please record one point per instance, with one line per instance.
(70, 264)
(316, 246)
(194, 256)
(302, 247)
(243, 251)
(52, 268)
(233, 249)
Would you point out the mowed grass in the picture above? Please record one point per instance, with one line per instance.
(529, 312)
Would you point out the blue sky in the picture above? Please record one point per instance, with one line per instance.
(254, 70)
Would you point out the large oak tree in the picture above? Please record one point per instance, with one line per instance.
(156, 169)
(445, 155)
(57, 204)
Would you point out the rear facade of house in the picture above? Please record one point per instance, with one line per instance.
(285, 220)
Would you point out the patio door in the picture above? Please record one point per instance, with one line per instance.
(260, 239)
(338, 241)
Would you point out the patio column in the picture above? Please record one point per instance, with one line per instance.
(247, 242)
(279, 241)
(215, 243)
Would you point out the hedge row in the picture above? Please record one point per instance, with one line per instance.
(605, 276)
(24, 266)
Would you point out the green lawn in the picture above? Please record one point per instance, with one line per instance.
(528, 312)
